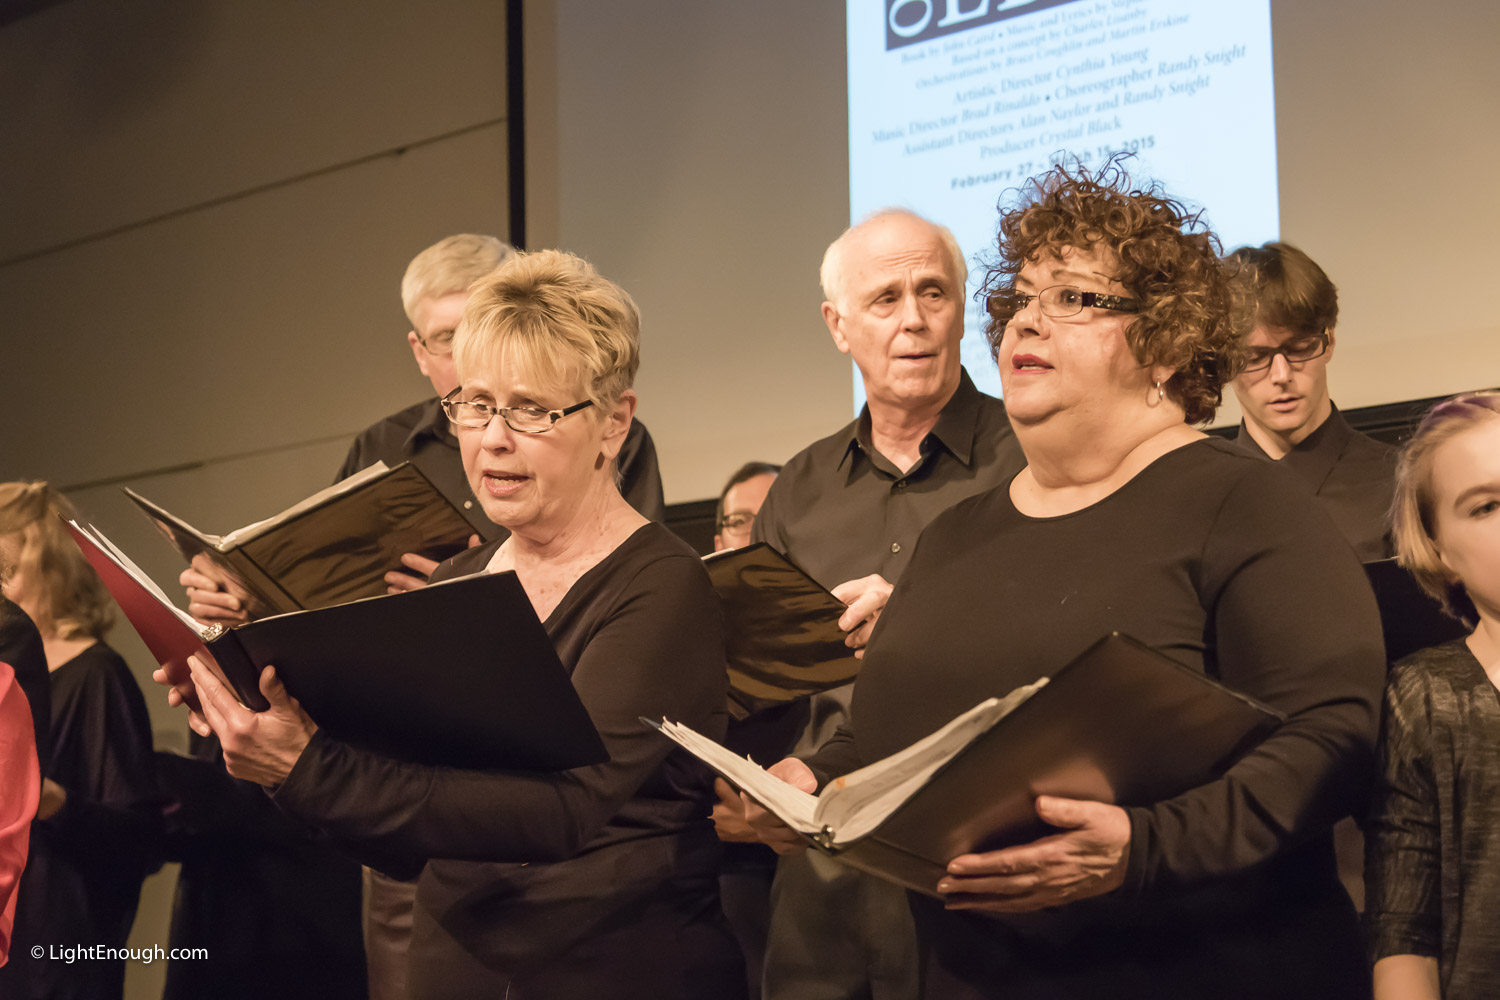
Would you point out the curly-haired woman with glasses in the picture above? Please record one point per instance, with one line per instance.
(599, 881)
(1108, 320)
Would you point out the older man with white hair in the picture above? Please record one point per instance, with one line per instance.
(848, 509)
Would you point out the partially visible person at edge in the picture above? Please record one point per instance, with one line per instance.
(848, 510)
(25, 724)
(1286, 309)
(1108, 321)
(1434, 829)
(748, 866)
(98, 829)
(20, 792)
(434, 290)
(598, 881)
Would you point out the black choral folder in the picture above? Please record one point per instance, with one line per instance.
(1120, 723)
(782, 635)
(459, 673)
(333, 547)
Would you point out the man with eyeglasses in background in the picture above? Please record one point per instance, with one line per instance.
(434, 291)
(1286, 309)
(1287, 319)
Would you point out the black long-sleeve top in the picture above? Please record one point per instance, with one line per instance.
(1223, 563)
(1433, 853)
(598, 878)
(1352, 476)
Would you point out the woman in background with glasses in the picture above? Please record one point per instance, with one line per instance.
(599, 881)
(1108, 319)
(1433, 854)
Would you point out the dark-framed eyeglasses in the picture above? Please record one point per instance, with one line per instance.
(1296, 352)
(737, 521)
(1057, 301)
(440, 343)
(521, 419)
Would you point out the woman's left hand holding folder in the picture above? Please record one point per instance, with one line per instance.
(261, 747)
(1086, 857)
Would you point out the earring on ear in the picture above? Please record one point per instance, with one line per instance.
(1161, 394)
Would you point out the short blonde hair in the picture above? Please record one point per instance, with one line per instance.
(1412, 508)
(834, 276)
(553, 318)
(450, 265)
(64, 591)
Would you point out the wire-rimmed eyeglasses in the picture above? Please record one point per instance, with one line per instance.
(521, 419)
(1057, 301)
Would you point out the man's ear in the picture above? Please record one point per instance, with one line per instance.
(418, 351)
(1329, 353)
(834, 320)
(617, 424)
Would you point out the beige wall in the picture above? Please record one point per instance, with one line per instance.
(702, 162)
(205, 210)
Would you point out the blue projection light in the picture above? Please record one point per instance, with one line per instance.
(952, 102)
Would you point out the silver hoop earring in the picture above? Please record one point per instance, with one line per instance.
(1161, 394)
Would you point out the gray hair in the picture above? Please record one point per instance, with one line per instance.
(832, 272)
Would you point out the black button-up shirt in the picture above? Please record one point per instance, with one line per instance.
(1352, 477)
(421, 435)
(841, 510)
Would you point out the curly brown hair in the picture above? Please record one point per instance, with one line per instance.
(1167, 260)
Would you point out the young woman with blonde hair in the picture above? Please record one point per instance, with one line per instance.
(1433, 847)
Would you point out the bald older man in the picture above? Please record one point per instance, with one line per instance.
(848, 509)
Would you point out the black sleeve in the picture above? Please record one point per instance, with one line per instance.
(640, 476)
(1292, 622)
(122, 808)
(1403, 852)
(660, 653)
(768, 525)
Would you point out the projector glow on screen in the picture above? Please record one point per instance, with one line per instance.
(953, 102)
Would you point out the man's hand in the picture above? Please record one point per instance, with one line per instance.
(1086, 859)
(866, 598)
(396, 581)
(768, 827)
(213, 598)
(729, 816)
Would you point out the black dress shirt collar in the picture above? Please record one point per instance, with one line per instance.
(1314, 457)
(431, 422)
(954, 430)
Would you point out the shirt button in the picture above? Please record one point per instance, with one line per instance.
(895, 546)
(468, 504)
(900, 484)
